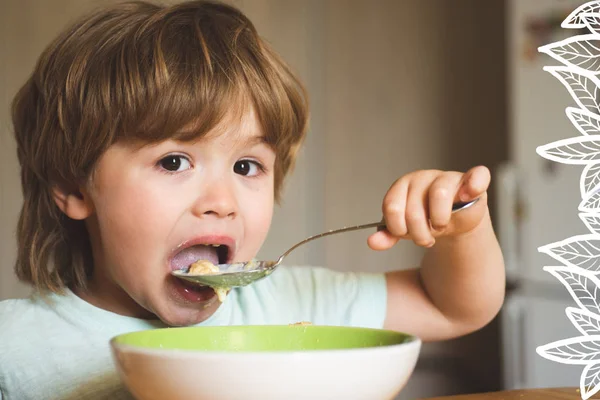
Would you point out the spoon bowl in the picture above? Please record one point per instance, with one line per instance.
(244, 273)
(230, 275)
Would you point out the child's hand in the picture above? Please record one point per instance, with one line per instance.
(418, 206)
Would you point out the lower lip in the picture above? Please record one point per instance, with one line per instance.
(192, 293)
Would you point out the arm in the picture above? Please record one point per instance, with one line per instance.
(459, 286)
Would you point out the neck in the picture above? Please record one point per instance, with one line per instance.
(111, 297)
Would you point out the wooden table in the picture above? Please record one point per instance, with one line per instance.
(527, 394)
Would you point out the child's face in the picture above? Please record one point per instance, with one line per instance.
(150, 203)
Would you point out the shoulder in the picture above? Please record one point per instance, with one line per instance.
(322, 296)
(17, 315)
(39, 346)
(293, 282)
(27, 326)
(324, 281)
(21, 324)
(22, 321)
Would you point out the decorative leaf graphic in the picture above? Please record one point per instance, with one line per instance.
(580, 52)
(586, 122)
(575, 150)
(583, 87)
(590, 179)
(576, 18)
(591, 221)
(589, 383)
(583, 286)
(579, 252)
(591, 21)
(579, 350)
(590, 203)
(586, 322)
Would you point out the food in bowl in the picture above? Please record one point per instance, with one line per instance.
(301, 323)
(265, 362)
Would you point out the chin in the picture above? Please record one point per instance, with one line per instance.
(181, 307)
(187, 317)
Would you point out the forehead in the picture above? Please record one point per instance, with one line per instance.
(235, 130)
(237, 127)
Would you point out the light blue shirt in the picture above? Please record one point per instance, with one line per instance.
(57, 347)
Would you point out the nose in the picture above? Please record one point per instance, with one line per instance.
(216, 199)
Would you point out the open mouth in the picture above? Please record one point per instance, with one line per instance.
(216, 253)
(214, 249)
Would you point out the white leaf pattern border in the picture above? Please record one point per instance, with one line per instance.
(579, 255)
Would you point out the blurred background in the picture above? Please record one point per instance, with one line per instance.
(395, 85)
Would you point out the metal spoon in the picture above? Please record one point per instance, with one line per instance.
(244, 273)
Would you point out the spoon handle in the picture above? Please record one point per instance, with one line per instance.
(380, 225)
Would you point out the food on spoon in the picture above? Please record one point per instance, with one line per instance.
(221, 293)
(250, 265)
(205, 267)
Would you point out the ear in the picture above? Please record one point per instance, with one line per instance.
(74, 202)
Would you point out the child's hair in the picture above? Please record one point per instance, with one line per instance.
(137, 71)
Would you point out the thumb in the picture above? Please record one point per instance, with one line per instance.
(382, 240)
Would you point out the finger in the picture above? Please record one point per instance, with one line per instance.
(417, 221)
(394, 207)
(441, 196)
(475, 183)
(382, 240)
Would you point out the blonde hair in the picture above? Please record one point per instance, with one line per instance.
(136, 71)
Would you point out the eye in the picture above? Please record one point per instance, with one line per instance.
(174, 163)
(247, 168)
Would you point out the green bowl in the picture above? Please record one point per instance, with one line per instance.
(262, 338)
(267, 362)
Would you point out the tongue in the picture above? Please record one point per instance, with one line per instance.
(184, 258)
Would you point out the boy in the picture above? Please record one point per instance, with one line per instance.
(151, 137)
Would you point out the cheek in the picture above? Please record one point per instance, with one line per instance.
(131, 210)
(258, 214)
(265, 219)
(134, 224)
